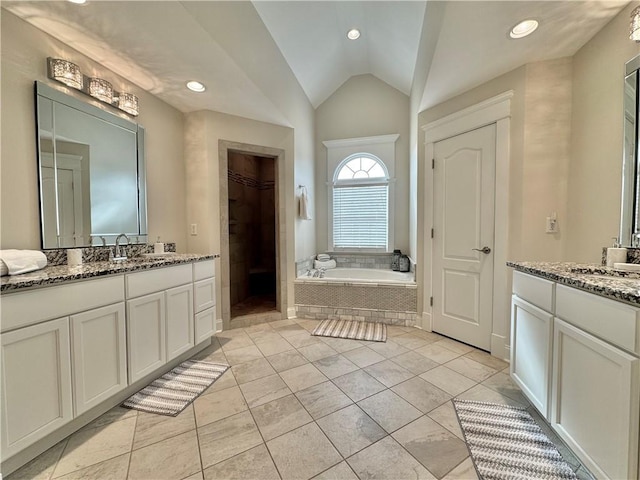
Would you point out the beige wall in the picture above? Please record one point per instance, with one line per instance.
(24, 53)
(539, 152)
(203, 131)
(594, 179)
(364, 106)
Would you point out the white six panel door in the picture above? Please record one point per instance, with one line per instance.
(464, 191)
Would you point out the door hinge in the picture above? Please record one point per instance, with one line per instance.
(432, 233)
(433, 163)
(431, 301)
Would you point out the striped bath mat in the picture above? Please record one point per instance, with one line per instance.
(175, 390)
(506, 443)
(352, 329)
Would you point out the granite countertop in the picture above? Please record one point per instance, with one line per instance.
(617, 285)
(54, 275)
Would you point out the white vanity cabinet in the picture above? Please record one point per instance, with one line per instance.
(576, 357)
(160, 323)
(38, 356)
(531, 338)
(595, 406)
(69, 352)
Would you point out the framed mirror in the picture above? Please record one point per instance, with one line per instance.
(91, 173)
(630, 207)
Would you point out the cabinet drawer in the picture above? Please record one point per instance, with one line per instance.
(205, 324)
(143, 283)
(535, 290)
(204, 294)
(202, 270)
(26, 308)
(612, 321)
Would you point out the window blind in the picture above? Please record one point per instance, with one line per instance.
(360, 216)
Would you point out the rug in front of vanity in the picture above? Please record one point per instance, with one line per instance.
(506, 443)
(175, 390)
(352, 329)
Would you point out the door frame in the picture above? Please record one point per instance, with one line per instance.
(493, 110)
(278, 154)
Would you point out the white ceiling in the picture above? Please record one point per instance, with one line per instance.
(312, 36)
(241, 50)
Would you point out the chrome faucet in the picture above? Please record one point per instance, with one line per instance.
(118, 256)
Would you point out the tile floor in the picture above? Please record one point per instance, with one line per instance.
(294, 406)
(253, 305)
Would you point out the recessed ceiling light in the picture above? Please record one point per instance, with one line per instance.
(195, 86)
(524, 28)
(353, 34)
(79, 2)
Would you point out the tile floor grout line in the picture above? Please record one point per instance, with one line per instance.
(135, 426)
(264, 442)
(195, 421)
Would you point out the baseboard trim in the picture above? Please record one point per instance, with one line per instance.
(427, 322)
(499, 347)
(291, 312)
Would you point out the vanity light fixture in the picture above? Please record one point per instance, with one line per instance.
(69, 73)
(524, 28)
(634, 30)
(65, 72)
(78, 2)
(196, 86)
(129, 103)
(353, 34)
(101, 89)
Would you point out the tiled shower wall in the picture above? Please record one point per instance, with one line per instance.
(251, 220)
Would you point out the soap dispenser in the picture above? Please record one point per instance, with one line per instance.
(616, 254)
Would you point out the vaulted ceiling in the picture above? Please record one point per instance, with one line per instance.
(242, 50)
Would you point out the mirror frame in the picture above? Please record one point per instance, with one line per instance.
(630, 202)
(45, 91)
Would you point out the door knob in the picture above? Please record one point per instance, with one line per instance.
(485, 250)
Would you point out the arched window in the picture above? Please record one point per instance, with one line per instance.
(361, 203)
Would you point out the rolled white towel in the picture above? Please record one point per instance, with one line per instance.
(23, 261)
(323, 257)
(317, 264)
(3, 269)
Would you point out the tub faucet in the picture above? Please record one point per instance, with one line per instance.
(118, 256)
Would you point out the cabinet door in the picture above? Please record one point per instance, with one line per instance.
(595, 401)
(146, 335)
(179, 320)
(36, 383)
(531, 337)
(99, 355)
(205, 324)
